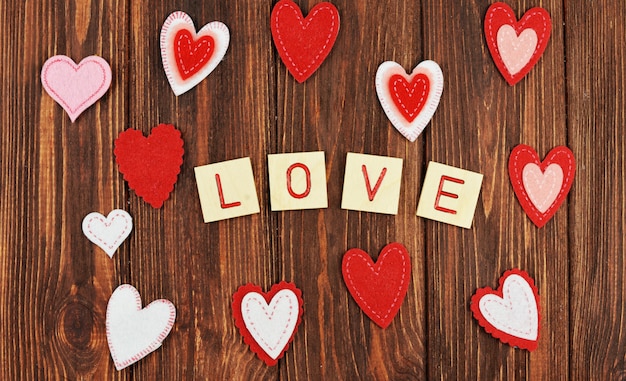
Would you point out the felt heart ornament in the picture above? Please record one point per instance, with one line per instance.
(378, 288)
(510, 313)
(76, 87)
(304, 43)
(133, 332)
(541, 187)
(150, 165)
(409, 100)
(516, 46)
(268, 321)
(189, 57)
(108, 232)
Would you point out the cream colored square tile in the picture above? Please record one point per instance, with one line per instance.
(372, 183)
(449, 195)
(227, 189)
(297, 180)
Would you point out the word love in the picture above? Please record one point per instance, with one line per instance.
(371, 184)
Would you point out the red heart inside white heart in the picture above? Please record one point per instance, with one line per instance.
(133, 332)
(108, 233)
(516, 312)
(409, 100)
(271, 325)
(516, 51)
(75, 87)
(189, 57)
(542, 187)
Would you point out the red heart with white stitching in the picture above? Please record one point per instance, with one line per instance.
(379, 288)
(541, 186)
(516, 46)
(304, 43)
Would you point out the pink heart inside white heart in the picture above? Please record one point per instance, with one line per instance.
(271, 325)
(542, 187)
(516, 51)
(76, 87)
(516, 312)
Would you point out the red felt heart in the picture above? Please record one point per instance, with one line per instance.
(541, 186)
(191, 56)
(516, 46)
(304, 43)
(150, 165)
(268, 321)
(380, 288)
(510, 313)
(409, 97)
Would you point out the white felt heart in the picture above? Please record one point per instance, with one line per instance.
(133, 332)
(76, 87)
(409, 100)
(189, 57)
(516, 51)
(109, 232)
(542, 187)
(271, 325)
(516, 312)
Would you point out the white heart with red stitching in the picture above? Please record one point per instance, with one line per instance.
(189, 57)
(133, 332)
(516, 312)
(271, 325)
(409, 100)
(108, 233)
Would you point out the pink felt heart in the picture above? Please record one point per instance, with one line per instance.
(542, 187)
(516, 51)
(76, 87)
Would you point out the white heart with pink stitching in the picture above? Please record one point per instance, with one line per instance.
(271, 325)
(133, 332)
(516, 312)
(76, 87)
(108, 232)
(409, 100)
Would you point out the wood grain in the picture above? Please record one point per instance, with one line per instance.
(55, 285)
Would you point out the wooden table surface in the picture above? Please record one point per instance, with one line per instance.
(55, 284)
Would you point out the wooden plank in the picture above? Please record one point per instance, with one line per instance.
(479, 120)
(174, 254)
(54, 283)
(596, 73)
(336, 110)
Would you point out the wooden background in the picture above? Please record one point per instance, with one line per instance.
(55, 284)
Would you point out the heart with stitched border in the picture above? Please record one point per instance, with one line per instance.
(510, 313)
(189, 56)
(541, 186)
(268, 321)
(76, 87)
(516, 46)
(378, 288)
(134, 332)
(150, 164)
(409, 101)
(304, 43)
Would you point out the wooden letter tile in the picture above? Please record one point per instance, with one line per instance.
(372, 183)
(449, 195)
(227, 189)
(297, 181)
